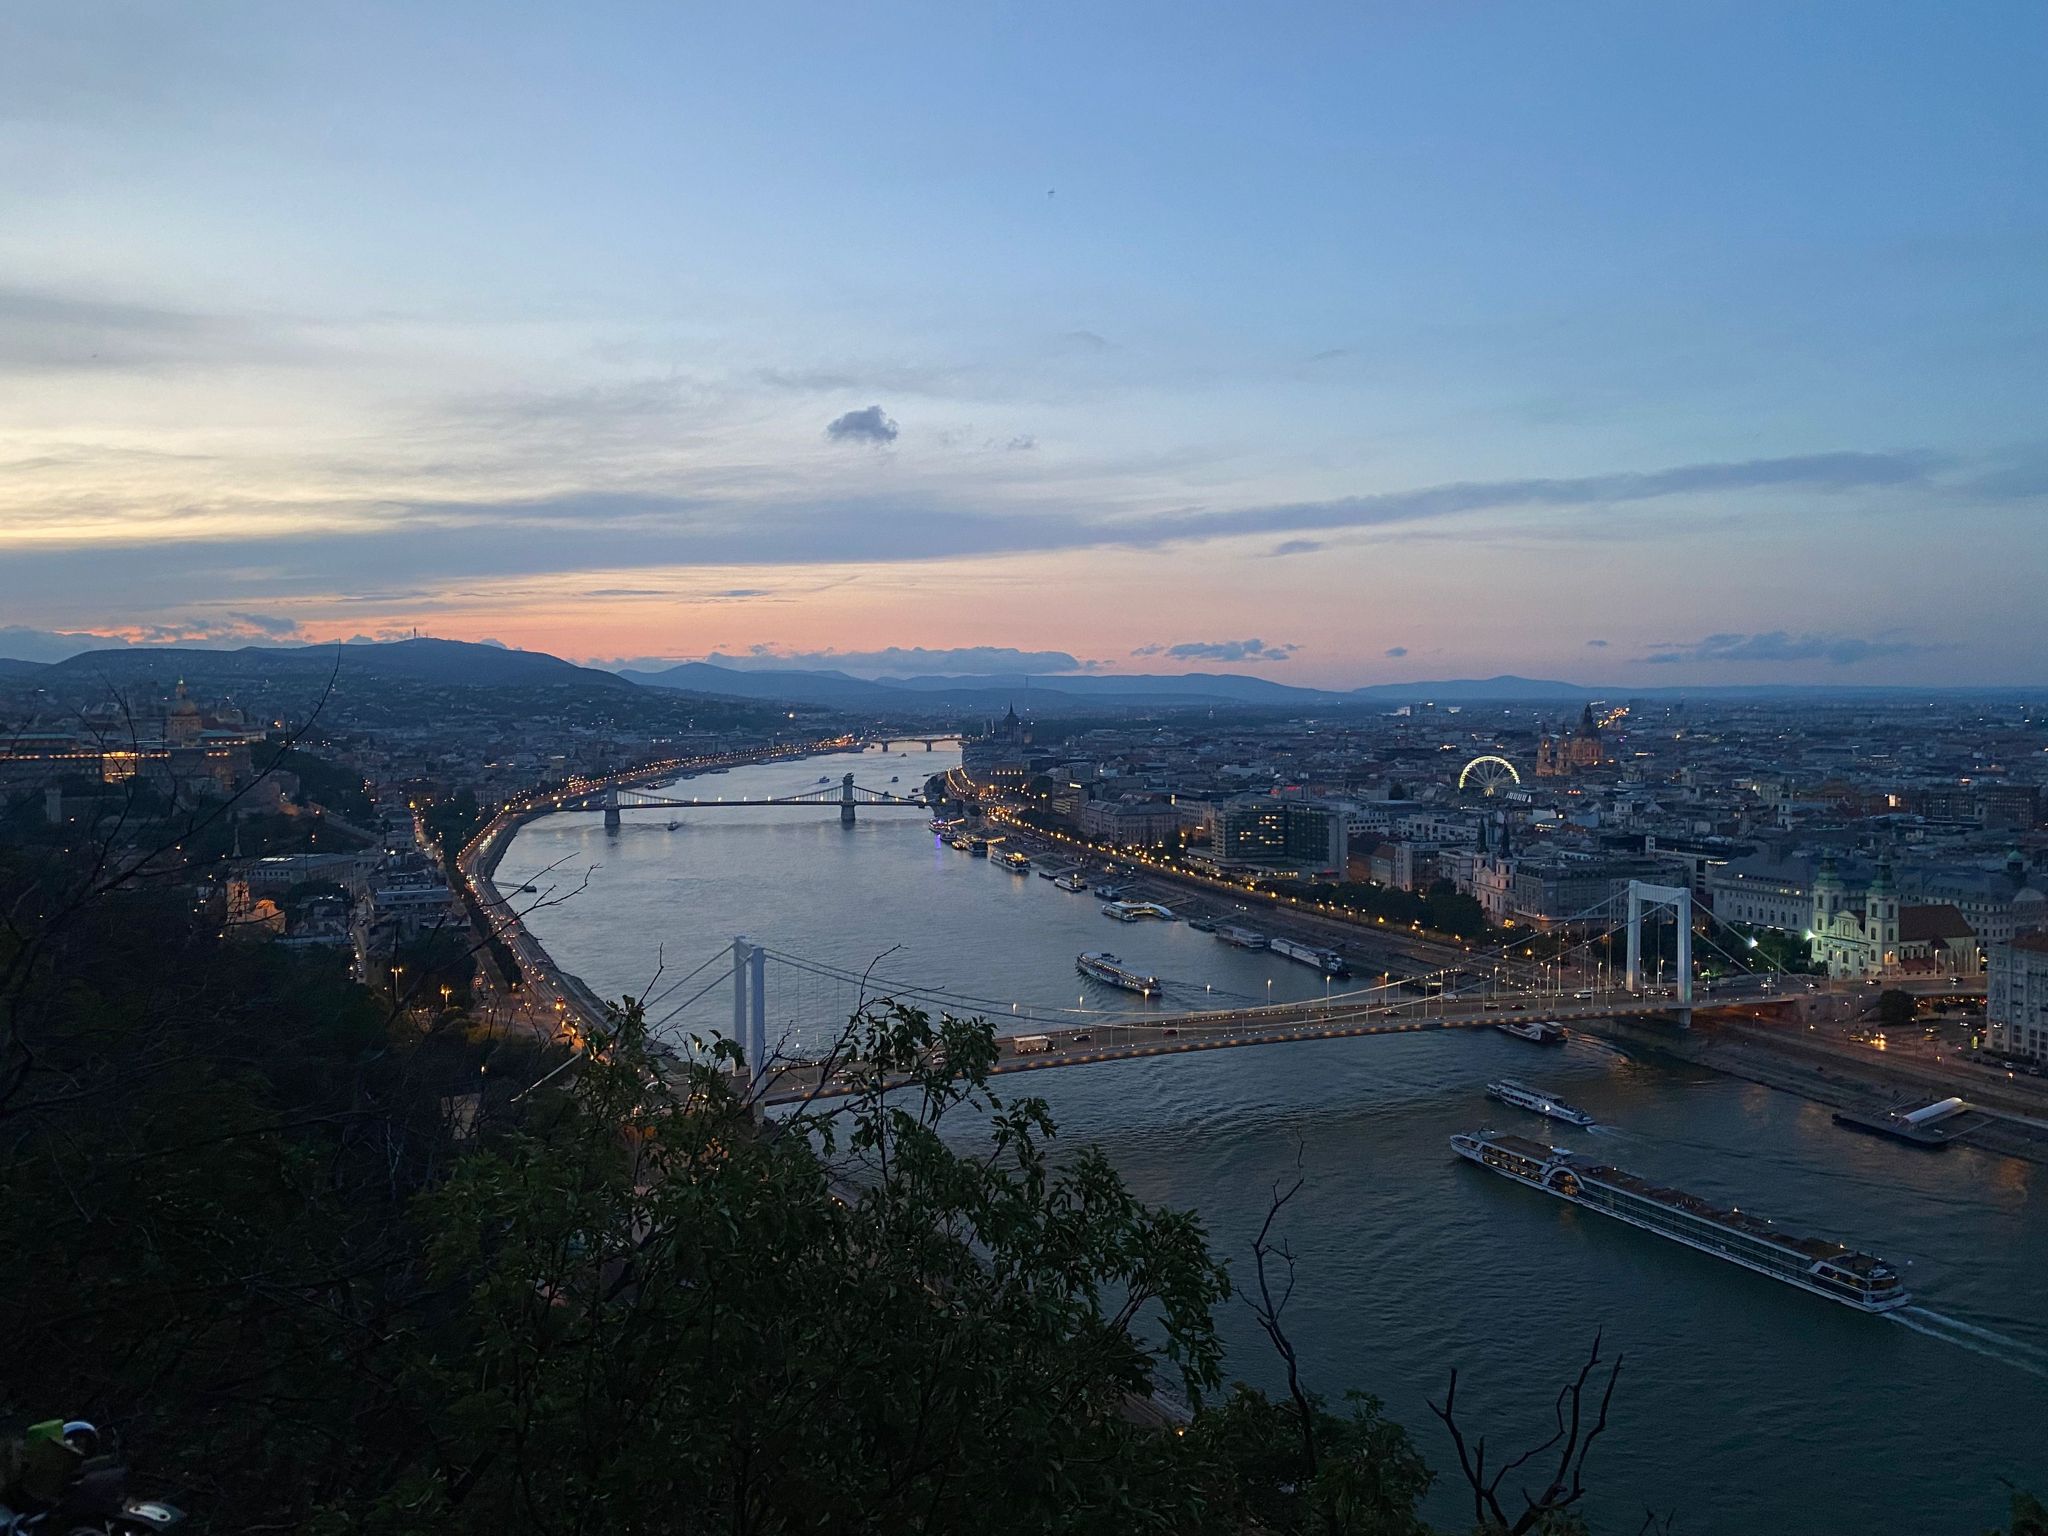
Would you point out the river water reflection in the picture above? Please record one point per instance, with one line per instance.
(1744, 1404)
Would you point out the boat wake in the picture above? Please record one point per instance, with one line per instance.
(2031, 1358)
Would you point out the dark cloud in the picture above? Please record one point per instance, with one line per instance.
(1023, 443)
(1219, 650)
(871, 425)
(1779, 645)
(446, 539)
(897, 660)
(1295, 547)
(1596, 645)
(1397, 651)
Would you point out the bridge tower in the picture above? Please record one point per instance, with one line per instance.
(750, 1006)
(1676, 899)
(611, 807)
(846, 801)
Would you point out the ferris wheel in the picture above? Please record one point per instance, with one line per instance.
(1488, 774)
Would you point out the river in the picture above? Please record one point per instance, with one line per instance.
(1744, 1404)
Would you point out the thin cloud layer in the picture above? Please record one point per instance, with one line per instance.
(905, 661)
(1219, 650)
(1779, 646)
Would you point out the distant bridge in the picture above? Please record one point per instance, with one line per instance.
(889, 743)
(846, 795)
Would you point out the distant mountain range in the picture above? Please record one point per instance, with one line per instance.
(844, 691)
(447, 662)
(461, 663)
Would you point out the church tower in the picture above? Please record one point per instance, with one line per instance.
(1881, 917)
(1828, 895)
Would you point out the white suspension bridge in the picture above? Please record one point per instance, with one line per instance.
(789, 1012)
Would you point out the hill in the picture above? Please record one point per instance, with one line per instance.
(449, 662)
(840, 690)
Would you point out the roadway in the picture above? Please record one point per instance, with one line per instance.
(548, 999)
(1281, 1024)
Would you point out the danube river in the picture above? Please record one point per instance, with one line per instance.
(1744, 1404)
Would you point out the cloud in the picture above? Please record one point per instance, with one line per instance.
(1088, 341)
(1295, 547)
(1397, 651)
(1596, 645)
(1219, 650)
(896, 660)
(1777, 645)
(1329, 354)
(865, 426)
(306, 551)
(1023, 442)
(21, 643)
(50, 331)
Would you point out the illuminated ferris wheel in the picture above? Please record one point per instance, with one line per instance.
(1488, 774)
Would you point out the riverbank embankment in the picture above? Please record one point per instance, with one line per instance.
(1843, 1076)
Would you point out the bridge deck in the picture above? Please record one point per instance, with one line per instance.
(1088, 1045)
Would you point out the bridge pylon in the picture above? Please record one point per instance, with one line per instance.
(846, 801)
(611, 807)
(1677, 899)
(750, 1005)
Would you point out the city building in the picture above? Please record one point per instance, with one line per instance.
(1272, 833)
(1763, 891)
(2016, 1003)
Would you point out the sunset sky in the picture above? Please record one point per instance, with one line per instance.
(1657, 343)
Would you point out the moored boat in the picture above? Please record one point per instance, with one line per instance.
(1241, 938)
(1816, 1264)
(1541, 1032)
(1131, 911)
(1328, 961)
(1072, 880)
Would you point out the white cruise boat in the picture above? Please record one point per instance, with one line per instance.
(1815, 1264)
(1107, 968)
(1522, 1096)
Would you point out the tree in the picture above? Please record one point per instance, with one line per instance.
(848, 1324)
(1895, 1008)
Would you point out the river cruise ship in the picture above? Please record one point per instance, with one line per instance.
(1016, 863)
(1535, 1100)
(1106, 968)
(1814, 1264)
(1328, 961)
(1072, 880)
(1241, 938)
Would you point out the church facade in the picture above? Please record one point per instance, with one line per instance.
(1558, 755)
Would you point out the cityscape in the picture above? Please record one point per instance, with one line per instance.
(626, 904)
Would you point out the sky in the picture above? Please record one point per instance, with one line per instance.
(1656, 344)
